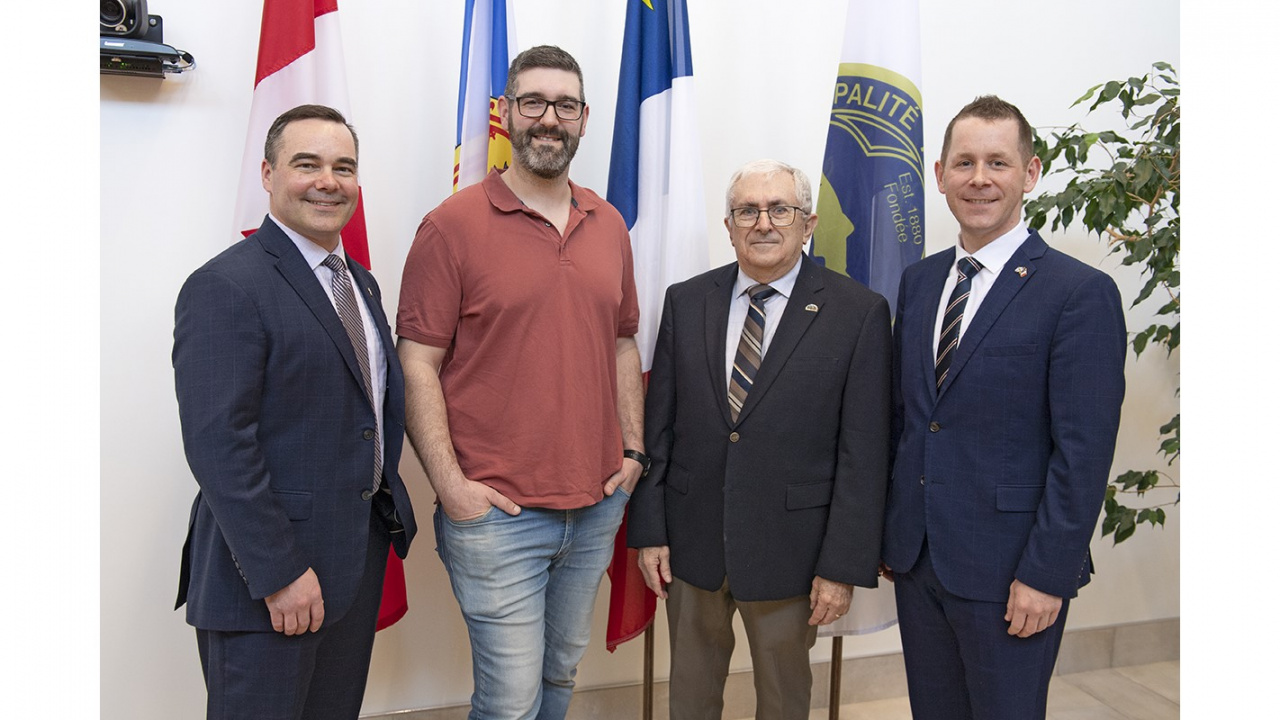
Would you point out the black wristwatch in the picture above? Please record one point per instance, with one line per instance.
(641, 458)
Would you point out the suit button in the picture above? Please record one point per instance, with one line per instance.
(368, 434)
(367, 494)
(921, 479)
(934, 427)
(734, 437)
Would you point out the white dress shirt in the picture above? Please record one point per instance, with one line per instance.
(993, 257)
(741, 303)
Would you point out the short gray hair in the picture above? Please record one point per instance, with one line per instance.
(768, 168)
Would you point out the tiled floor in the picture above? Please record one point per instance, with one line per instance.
(1139, 692)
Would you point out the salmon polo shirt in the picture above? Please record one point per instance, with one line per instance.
(530, 320)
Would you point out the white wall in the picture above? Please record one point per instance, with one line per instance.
(170, 156)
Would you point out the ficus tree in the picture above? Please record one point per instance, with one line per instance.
(1124, 186)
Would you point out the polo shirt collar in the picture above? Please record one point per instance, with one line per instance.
(501, 197)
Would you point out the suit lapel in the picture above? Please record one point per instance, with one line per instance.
(303, 280)
(796, 319)
(716, 325)
(1003, 290)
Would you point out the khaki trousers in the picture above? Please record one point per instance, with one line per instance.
(702, 640)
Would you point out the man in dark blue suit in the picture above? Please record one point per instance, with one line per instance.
(1009, 375)
(292, 407)
(767, 421)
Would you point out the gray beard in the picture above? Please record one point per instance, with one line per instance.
(547, 163)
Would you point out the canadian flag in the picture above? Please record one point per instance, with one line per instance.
(300, 62)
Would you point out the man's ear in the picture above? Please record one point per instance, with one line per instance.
(1033, 174)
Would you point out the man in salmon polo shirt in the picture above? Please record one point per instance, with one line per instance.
(525, 403)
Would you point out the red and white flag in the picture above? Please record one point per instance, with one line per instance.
(300, 62)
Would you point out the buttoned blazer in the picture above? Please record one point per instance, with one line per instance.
(278, 432)
(795, 488)
(1005, 465)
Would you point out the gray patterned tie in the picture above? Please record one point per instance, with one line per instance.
(750, 349)
(345, 300)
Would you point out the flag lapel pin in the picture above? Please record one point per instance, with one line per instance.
(1022, 271)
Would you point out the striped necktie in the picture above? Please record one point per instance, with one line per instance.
(750, 349)
(344, 300)
(952, 319)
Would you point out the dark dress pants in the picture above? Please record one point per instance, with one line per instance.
(313, 676)
(962, 664)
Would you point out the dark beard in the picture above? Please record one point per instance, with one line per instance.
(545, 163)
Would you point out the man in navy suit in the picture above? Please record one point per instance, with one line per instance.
(292, 407)
(766, 492)
(1009, 375)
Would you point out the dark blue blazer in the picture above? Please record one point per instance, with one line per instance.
(279, 434)
(1005, 466)
(795, 488)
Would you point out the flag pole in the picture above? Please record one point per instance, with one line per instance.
(647, 711)
(837, 656)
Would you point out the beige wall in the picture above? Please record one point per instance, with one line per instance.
(180, 140)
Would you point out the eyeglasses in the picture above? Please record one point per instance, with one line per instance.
(532, 106)
(779, 215)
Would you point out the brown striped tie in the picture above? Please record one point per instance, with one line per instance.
(750, 349)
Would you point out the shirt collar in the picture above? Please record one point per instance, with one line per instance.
(311, 252)
(501, 197)
(996, 253)
(784, 285)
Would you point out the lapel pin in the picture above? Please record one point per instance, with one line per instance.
(1022, 271)
(369, 291)
(811, 307)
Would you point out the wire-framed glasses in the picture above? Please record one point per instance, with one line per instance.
(779, 215)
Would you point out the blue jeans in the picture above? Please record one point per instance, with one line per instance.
(527, 585)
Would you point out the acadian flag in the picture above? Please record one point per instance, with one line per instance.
(871, 198)
(488, 44)
(300, 62)
(655, 181)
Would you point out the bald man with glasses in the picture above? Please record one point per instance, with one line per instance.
(767, 421)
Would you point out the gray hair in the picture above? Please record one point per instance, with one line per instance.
(768, 168)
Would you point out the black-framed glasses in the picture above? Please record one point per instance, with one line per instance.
(532, 106)
(779, 215)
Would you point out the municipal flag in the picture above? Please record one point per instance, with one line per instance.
(871, 197)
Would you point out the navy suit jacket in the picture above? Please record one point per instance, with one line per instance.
(1005, 466)
(279, 434)
(795, 488)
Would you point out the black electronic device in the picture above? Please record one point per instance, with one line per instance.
(123, 18)
(133, 44)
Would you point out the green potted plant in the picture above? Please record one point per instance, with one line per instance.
(1130, 199)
